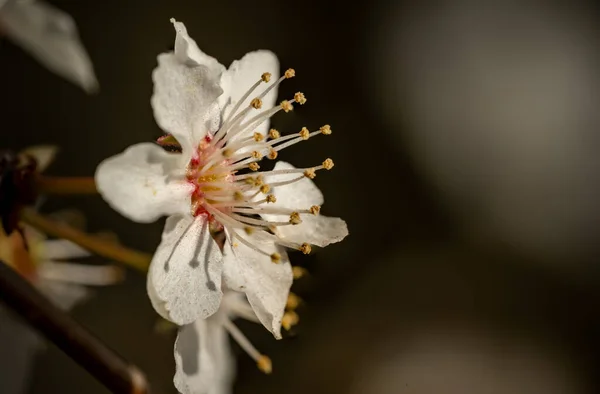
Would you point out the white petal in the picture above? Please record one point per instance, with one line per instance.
(244, 73)
(62, 249)
(43, 155)
(298, 195)
(186, 270)
(316, 230)
(187, 51)
(50, 35)
(265, 283)
(203, 360)
(184, 99)
(63, 295)
(136, 183)
(81, 274)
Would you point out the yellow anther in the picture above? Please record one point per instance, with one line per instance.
(274, 134)
(256, 155)
(293, 301)
(328, 164)
(295, 218)
(264, 364)
(248, 230)
(272, 154)
(238, 196)
(256, 103)
(300, 98)
(253, 166)
(299, 272)
(305, 248)
(271, 198)
(276, 257)
(315, 209)
(290, 73)
(290, 318)
(264, 189)
(304, 133)
(258, 181)
(326, 129)
(266, 77)
(310, 173)
(250, 181)
(286, 106)
(226, 153)
(258, 137)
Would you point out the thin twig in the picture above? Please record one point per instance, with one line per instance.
(88, 351)
(111, 250)
(65, 185)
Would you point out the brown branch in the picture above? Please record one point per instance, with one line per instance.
(65, 185)
(102, 247)
(88, 351)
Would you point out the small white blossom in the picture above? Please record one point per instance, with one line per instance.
(222, 126)
(49, 35)
(203, 359)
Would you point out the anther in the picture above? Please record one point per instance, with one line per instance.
(258, 181)
(274, 134)
(289, 319)
(276, 257)
(264, 364)
(256, 103)
(256, 155)
(326, 129)
(253, 166)
(258, 137)
(290, 73)
(300, 98)
(265, 189)
(293, 301)
(271, 198)
(310, 173)
(295, 218)
(286, 106)
(304, 133)
(272, 154)
(238, 196)
(328, 164)
(266, 77)
(299, 272)
(226, 152)
(248, 230)
(305, 248)
(315, 209)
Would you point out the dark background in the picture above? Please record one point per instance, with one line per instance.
(408, 267)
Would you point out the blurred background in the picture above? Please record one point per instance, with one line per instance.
(465, 142)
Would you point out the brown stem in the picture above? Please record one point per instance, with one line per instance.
(133, 258)
(85, 349)
(65, 185)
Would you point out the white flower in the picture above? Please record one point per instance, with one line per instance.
(62, 282)
(49, 35)
(223, 128)
(203, 359)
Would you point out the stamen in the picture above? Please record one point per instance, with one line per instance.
(258, 137)
(286, 106)
(326, 129)
(274, 134)
(328, 164)
(289, 319)
(299, 272)
(265, 364)
(304, 133)
(241, 339)
(256, 103)
(305, 248)
(300, 98)
(266, 77)
(290, 73)
(253, 166)
(293, 301)
(295, 218)
(276, 258)
(315, 209)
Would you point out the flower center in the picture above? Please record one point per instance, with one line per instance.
(237, 202)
